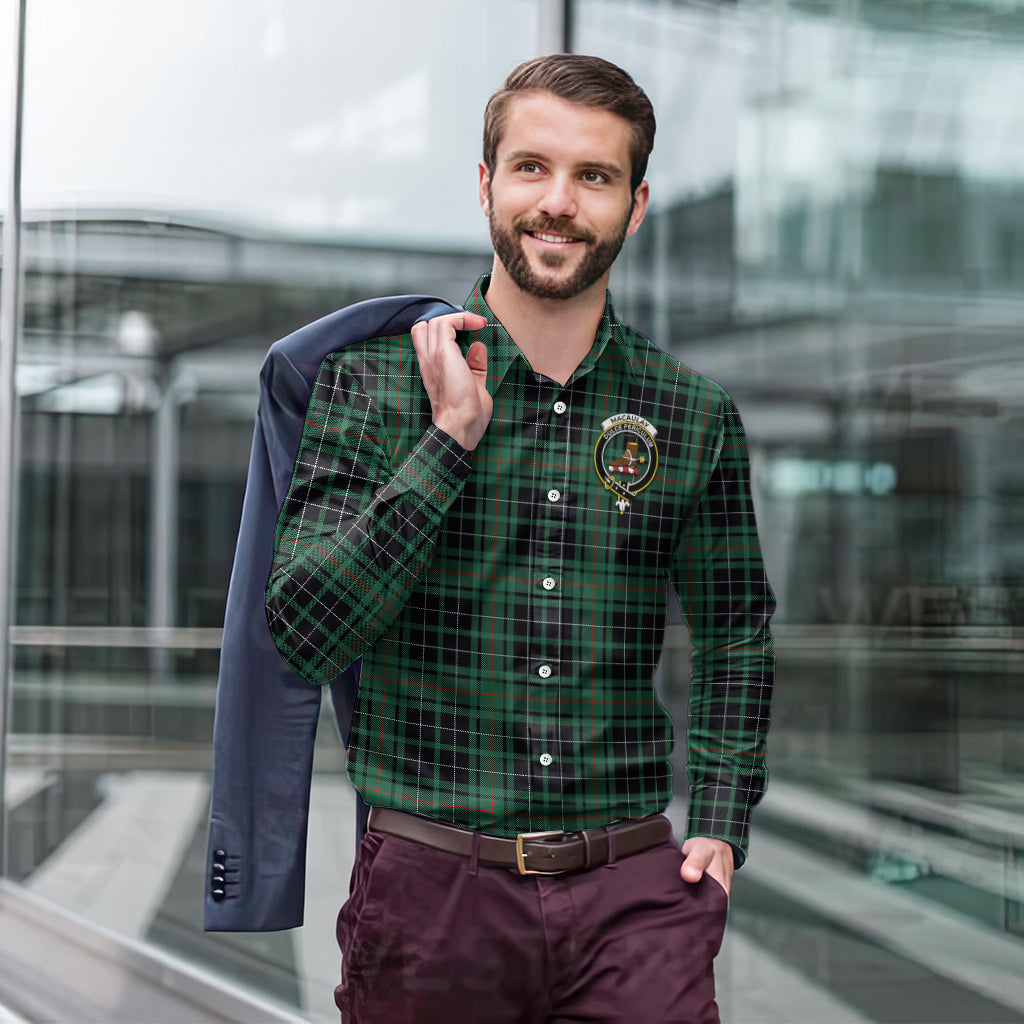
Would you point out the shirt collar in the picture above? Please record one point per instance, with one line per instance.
(502, 351)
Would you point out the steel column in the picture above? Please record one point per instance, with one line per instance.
(10, 323)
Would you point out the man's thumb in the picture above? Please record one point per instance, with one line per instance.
(476, 357)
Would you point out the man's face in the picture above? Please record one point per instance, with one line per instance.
(559, 203)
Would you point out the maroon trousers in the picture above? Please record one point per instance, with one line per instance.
(432, 938)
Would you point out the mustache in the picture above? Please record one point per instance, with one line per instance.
(552, 226)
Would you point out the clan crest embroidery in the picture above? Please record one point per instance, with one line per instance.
(626, 456)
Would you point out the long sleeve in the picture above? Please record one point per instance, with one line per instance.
(355, 531)
(727, 602)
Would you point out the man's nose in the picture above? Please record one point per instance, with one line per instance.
(559, 199)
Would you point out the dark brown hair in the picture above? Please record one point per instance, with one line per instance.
(577, 78)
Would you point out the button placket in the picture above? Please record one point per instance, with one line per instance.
(548, 557)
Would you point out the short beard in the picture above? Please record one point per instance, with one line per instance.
(509, 250)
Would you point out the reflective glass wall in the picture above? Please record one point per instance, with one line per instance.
(836, 235)
(199, 180)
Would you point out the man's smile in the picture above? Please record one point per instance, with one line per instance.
(552, 232)
(545, 237)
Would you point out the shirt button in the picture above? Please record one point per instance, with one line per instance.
(560, 407)
(546, 759)
(544, 671)
(548, 583)
(554, 495)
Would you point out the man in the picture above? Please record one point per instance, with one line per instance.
(488, 512)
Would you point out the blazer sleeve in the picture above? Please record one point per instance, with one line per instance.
(266, 713)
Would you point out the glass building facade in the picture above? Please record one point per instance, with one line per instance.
(836, 234)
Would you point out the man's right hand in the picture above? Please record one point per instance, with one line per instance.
(457, 386)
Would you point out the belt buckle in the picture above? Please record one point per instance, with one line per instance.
(521, 854)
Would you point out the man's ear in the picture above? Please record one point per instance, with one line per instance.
(641, 197)
(485, 185)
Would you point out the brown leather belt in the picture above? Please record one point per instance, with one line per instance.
(532, 853)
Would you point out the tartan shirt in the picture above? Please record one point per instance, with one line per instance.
(509, 603)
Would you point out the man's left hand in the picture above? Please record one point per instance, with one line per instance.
(711, 855)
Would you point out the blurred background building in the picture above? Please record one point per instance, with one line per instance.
(836, 235)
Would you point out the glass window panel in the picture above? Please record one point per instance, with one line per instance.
(835, 235)
(332, 119)
(200, 179)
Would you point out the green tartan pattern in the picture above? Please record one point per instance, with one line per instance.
(509, 616)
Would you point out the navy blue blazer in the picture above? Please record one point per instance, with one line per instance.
(266, 713)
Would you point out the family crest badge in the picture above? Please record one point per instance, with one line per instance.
(626, 456)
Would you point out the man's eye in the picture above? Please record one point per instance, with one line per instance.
(529, 168)
(593, 177)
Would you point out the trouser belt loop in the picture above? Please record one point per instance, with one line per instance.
(586, 850)
(611, 848)
(474, 854)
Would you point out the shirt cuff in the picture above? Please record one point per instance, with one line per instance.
(721, 812)
(436, 468)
